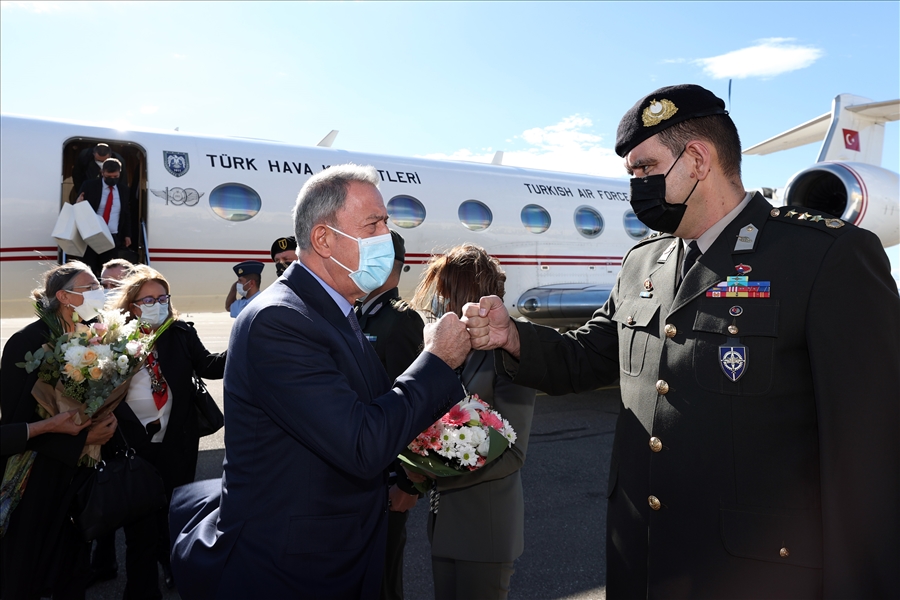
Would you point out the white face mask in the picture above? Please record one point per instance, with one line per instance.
(92, 304)
(155, 314)
(240, 291)
(99, 163)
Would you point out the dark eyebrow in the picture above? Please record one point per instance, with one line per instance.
(641, 162)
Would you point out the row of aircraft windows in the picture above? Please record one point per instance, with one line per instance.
(238, 202)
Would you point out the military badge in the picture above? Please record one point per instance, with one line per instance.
(742, 269)
(178, 196)
(657, 112)
(176, 163)
(733, 358)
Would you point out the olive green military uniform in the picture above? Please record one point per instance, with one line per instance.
(780, 482)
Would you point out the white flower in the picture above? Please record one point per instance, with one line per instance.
(467, 456)
(476, 435)
(466, 435)
(484, 447)
(103, 351)
(74, 353)
(509, 434)
(122, 361)
(133, 347)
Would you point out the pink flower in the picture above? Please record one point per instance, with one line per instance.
(490, 419)
(456, 416)
(100, 328)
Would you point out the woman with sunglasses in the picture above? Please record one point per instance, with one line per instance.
(158, 418)
(41, 553)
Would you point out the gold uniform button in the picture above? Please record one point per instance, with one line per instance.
(784, 553)
(630, 320)
(654, 502)
(662, 387)
(655, 444)
(671, 330)
(732, 329)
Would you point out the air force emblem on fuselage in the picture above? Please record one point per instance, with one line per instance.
(179, 196)
(177, 163)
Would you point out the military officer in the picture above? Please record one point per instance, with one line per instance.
(249, 278)
(284, 252)
(395, 329)
(756, 451)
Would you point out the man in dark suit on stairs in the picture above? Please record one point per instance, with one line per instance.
(110, 198)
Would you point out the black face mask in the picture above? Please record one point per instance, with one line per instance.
(648, 200)
(280, 268)
(111, 181)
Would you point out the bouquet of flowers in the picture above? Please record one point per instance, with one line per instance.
(468, 437)
(88, 369)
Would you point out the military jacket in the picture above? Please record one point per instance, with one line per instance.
(395, 330)
(756, 451)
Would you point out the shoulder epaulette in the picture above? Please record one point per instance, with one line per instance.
(808, 217)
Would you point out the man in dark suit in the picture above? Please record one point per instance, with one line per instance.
(109, 197)
(89, 163)
(756, 451)
(395, 330)
(311, 420)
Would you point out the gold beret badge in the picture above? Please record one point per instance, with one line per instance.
(657, 112)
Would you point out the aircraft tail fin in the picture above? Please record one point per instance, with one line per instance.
(853, 131)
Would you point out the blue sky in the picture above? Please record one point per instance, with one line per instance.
(545, 82)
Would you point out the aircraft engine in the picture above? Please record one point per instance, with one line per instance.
(858, 193)
(563, 306)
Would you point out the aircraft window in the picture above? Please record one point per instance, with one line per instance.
(406, 211)
(235, 202)
(475, 215)
(535, 218)
(634, 227)
(588, 221)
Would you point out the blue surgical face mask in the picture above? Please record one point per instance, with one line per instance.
(376, 259)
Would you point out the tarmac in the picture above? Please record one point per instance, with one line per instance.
(564, 478)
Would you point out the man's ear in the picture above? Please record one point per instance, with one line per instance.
(321, 240)
(700, 154)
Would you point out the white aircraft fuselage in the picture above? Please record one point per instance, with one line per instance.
(206, 203)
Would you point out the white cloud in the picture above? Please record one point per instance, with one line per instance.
(149, 110)
(768, 58)
(567, 146)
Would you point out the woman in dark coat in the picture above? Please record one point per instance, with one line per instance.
(158, 418)
(41, 553)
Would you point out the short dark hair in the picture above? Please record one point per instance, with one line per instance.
(254, 277)
(719, 130)
(112, 165)
(101, 149)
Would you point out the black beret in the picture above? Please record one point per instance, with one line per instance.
(282, 244)
(248, 267)
(662, 109)
(399, 246)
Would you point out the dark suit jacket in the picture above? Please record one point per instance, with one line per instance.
(93, 191)
(86, 168)
(783, 483)
(311, 423)
(181, 353)
(491, 496)
(397, 332)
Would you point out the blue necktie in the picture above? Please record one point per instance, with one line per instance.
(354, 325)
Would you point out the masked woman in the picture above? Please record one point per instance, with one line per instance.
(41, 552)
(158, 418)
(466, 562)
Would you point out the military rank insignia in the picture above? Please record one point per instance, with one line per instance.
(733, 358)
(740, 286)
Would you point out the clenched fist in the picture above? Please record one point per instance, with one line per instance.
(448, 340)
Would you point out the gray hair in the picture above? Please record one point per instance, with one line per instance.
(56, 279)
(323, 195)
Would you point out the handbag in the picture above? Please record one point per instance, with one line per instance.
(120, 490)
(209, 418)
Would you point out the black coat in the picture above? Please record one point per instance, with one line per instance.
(181, 353)
(93, 191)
(41, 547)
(86, 168)
(395, 330)
(783, 483)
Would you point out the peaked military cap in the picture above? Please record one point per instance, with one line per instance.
(662, 109)
(282, 244)
(248, 267)
(399, 246)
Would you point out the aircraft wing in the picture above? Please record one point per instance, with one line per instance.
(809, 132)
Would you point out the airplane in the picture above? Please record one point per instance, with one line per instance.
(206, 203)
(847, 180)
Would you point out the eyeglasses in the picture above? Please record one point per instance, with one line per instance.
(150, 300)
(92, 287)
